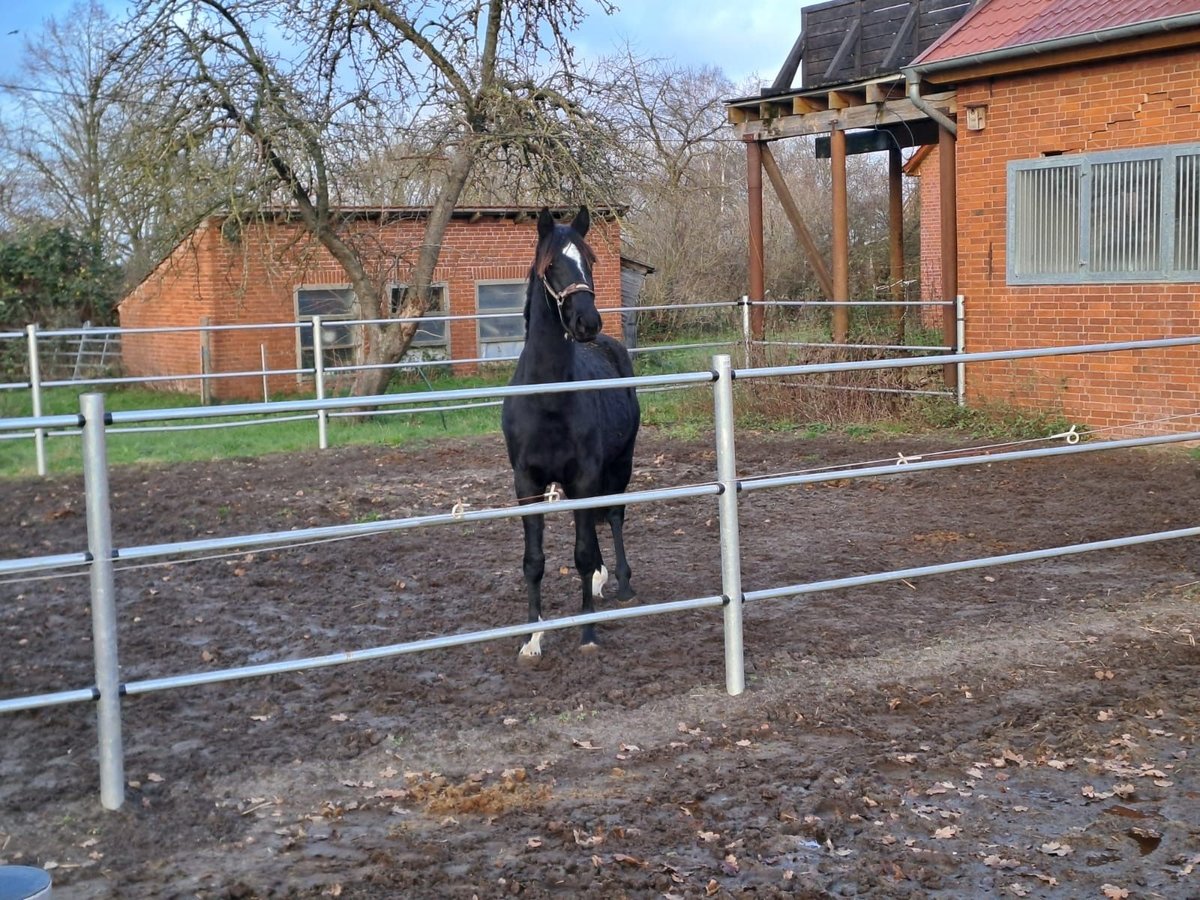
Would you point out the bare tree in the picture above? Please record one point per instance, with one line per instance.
(84, 149)
(309, 97)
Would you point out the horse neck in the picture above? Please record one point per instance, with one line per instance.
(548, 355)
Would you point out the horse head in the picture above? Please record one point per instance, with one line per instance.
(564, 265)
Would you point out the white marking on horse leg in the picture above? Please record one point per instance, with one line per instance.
(532, 648)
(599, 580)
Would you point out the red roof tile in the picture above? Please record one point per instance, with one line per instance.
(1000, 24)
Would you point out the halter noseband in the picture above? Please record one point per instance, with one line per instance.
(561, 296)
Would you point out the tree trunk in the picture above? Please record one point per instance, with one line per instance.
(390, 342)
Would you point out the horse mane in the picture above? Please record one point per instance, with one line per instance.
(554, 244)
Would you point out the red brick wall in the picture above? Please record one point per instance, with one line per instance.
(178, 292)
(253, 280)
(1149, 101)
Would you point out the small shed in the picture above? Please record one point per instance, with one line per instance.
(241, 279)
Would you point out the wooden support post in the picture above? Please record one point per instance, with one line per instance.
(792, 211)
(949, 245)
(205, 362)
(841, 237)
(896, 236)
(757, 279)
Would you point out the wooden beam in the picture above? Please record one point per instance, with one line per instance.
(787, 72)
(896, 236)
(841, 238)
(757, 279)
(824, 121)
(947, 181)
(792, 211)
(846, 99)
(737, 115)
(849, 43)
(804, 105)
(903, 35)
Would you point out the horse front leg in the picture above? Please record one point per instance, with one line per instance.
(587, 563)
(616, 521)
(533, 567)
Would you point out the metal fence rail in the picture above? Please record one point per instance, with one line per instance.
(38, 343)
(101, 556)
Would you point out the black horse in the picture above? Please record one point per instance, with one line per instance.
(581, 440)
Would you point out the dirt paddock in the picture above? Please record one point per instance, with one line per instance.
(1021, 731)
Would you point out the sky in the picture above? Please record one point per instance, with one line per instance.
(742, 37)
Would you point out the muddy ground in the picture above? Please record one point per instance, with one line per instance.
(1020, 731)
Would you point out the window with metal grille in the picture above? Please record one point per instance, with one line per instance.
(1128, 215)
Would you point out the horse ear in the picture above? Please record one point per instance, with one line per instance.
(583, 221)
(545, 223)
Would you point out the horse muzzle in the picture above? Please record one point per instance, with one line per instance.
(585, 326)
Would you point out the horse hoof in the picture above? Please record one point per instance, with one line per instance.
(589, 649)
(625, 595)
(529, 660)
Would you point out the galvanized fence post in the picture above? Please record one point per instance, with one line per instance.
(960, 340)
(319, 377)
(104, 606)
(727, 505)
(35, 389)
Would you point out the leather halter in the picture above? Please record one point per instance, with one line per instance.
(560, 296)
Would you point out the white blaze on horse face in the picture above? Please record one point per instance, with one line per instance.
(571, 252)
(532, 648)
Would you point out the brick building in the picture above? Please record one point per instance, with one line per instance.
(272, 273)
(1060, 167)
(1078, 210)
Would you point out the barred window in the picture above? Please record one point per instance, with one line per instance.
(1130, 215)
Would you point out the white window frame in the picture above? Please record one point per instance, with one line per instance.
(334, 353)
(1171, 216)
(519, 310)
(423, 338)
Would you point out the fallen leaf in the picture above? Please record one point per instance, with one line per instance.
(1056, 848)
(584, 745)
(708, 836)
(339, 717)
(629, 860)
(998, 862)
(533, 843)
(948, 831)
(1112, 892)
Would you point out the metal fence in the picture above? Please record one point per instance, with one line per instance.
(100, 555)
(89, 357)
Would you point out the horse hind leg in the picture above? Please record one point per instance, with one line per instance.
(616, 521)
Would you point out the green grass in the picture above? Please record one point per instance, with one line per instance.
(683, 413)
